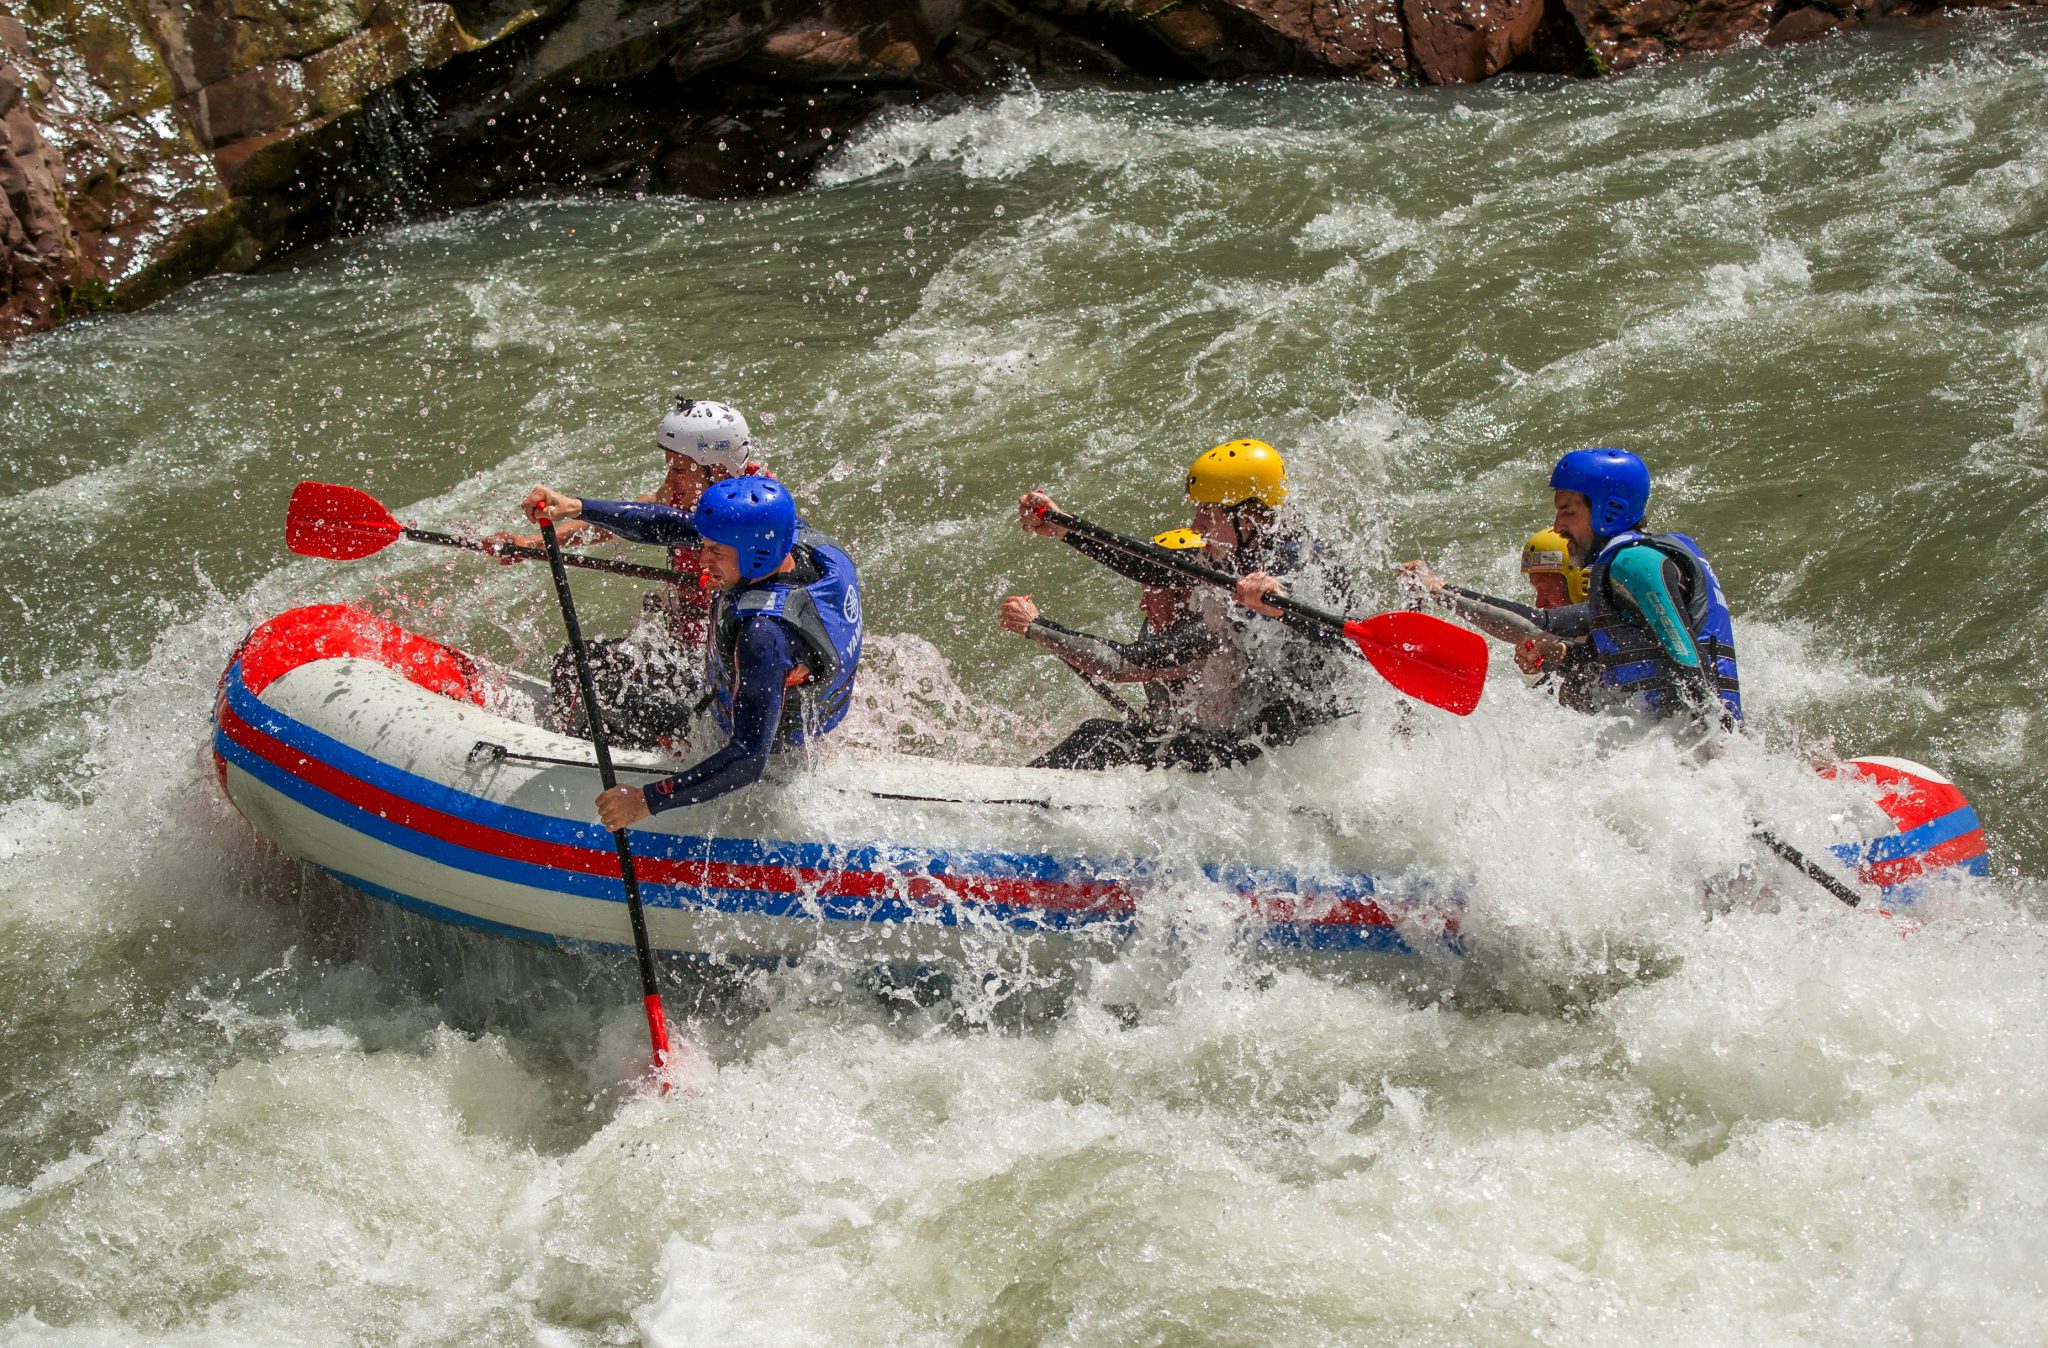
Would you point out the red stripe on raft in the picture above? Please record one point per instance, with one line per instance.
(1967, 847)
(1086, 896)
(1909, 799)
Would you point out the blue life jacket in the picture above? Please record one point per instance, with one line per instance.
(1634, 665)
(825, 615)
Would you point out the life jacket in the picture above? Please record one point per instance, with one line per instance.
(1634, 666)
(824, 614)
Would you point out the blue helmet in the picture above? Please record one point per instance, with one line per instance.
(1614, 481)
(752, 515)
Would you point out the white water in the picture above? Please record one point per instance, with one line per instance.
(243, 1106)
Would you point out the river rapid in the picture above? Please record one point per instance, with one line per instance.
(241, 1104)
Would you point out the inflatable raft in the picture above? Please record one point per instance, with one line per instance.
(413, 772)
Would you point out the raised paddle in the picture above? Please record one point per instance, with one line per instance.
(650, 990)
(342, 524)
(1423, 656)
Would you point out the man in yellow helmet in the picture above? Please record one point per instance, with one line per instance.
(1547, 562)
(1170, 659)
(1275, 681)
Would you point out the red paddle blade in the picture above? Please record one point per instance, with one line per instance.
(339, 523)
(1425, 657)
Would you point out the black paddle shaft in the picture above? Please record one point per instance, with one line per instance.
(1187, 566)
(1810, 868)
(627, 873)
(604, 564)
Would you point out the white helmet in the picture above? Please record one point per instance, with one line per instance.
(711, 433)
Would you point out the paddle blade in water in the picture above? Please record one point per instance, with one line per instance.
(339, 523)
(1425, 657)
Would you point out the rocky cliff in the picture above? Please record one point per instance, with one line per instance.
(147, 142)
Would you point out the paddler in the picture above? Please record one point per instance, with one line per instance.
(1558, 575)
(1276, 682)
(1654, 622)
(785, 628)
(1183, 723)
(649, 680)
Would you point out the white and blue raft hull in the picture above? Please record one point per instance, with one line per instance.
(391, 762)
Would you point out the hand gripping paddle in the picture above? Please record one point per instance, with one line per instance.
(1423, 656)
(342, 524)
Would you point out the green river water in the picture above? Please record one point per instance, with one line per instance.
(242, 1105)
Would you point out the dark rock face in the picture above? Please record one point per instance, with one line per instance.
(146, 144)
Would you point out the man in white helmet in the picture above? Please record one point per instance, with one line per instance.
(649, 679)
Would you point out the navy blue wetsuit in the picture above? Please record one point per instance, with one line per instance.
(767, 657)
(766, 653)
(650, 522)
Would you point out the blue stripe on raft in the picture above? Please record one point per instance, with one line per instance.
(660, 846)
(1264, 882)
(1912, 842)
(732, 851)
(456, 918)
(1310, 936)
(606, 888)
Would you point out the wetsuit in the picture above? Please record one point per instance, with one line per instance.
(1654, 633)
(1661, 630)
(650, 681)
(1575, 677)
(1277, 677)
(781, 661)
(1180, 725)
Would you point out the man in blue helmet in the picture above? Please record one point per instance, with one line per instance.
(649, 679)
(785, 629)
(1655, 618)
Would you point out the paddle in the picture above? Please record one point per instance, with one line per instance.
(342, 524)
(1808, 866)
(1425, 657)
(657, 1018)
(1103, 689)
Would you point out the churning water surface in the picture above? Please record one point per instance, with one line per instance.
(242, 1105)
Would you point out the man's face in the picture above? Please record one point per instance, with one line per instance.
(686, 480)
(1551, 591)
(1213, 522)
(722, 562)
(1161, 605)
(1574, 520)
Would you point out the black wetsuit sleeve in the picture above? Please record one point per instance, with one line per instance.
(643, 522)
(1500, 618)
(1141, 569)
(1510, 621)
(1291, 561)
(1186, 641)
(767, 656)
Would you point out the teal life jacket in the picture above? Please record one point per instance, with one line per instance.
(1634, 665)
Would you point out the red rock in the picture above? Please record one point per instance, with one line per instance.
(826, 50)
(1623, 34)
(1364, 40)
(1461, 41)
(1802, 25)
(1191, 30)
(253, 103)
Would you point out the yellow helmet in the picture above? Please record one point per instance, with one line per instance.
(1240, 471)
(1179, 540)
(1549, 552)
